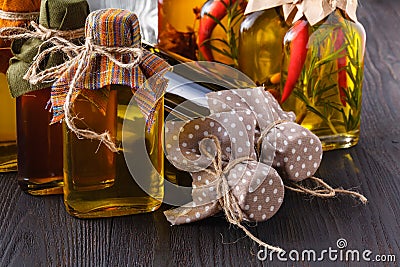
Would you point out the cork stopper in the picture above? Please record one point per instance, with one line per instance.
(113, 28)
(63, 14)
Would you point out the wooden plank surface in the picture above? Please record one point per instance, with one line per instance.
(36, 231)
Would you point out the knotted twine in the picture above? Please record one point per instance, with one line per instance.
(313, 10)
(243, 186)
(39, 32)
(228, 202)
(111, 54)
(326, 192)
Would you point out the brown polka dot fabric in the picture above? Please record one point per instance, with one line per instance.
(293, 151)
(242, 121)
(257, 187)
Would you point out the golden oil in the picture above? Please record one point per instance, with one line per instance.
(98, 182)
(8, 135)
(260, 45)
(320, 100)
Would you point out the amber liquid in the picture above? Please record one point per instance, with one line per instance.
(260, 45)
(40, 145)
(98, 182)
(177, 26)
(316, 98)
(8, 135)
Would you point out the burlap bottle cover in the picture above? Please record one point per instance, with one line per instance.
(57, 17)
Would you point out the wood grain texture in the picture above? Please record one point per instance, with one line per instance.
(36, 231)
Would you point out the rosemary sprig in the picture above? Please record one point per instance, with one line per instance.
(318, 88)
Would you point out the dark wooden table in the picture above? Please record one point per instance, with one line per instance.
(37, 231)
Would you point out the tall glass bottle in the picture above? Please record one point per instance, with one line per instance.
(322, 77)
(40, 145)
(177, 26)
(22, 13)
(99, 182)
(260, 46)
(8, 145)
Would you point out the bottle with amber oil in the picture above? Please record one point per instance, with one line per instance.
(260, 46)
(40, 144)
(98, 180)
(15, 13)
(322, 76)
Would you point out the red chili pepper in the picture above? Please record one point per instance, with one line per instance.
(341, 65)
(298, 53)
(217, 9)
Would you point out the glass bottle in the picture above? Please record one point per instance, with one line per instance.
(101, 180)
(327, 94)
(22, 13)
(98, 182)
(40, 144)
(8, 144)
(219, 30)
(40, 169)
(260, 46)
(177, 26)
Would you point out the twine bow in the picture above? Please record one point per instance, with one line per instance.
(80, 56)
(39, 32)
(313, 10)
(226, 176)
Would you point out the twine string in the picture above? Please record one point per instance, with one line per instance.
(38, 31)
(80, 55)
(226, 199)
(326, 192)
(16, 16)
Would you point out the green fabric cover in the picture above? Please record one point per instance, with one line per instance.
(54, 14)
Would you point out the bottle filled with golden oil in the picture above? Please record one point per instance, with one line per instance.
(260, 46)
(101, 183)
(113, 142)
(177, 26)
(322, 77)
(40, 145)
(8, 135)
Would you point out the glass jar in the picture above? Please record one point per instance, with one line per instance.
(177, 26)
(260, 46)
(8, 135)
(219, 30)
(40, 145)
(97, 181)
(323, 84)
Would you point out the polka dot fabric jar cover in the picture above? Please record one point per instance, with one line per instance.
(257, 187)
(258, 143)
(295, 152)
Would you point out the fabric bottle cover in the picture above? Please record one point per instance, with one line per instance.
(111, 29)
(313, 10)
(59, 15)
(17, 13)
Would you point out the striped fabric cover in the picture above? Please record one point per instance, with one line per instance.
(112, 28)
